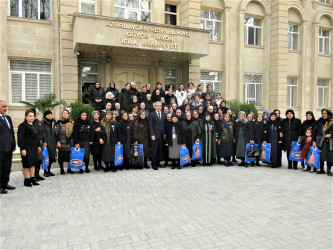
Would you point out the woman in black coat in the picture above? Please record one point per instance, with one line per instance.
(158, 87)
(258, 132)
(243, 134)
(208, 139)
(97, 96)
(125, 98)
(310, 123)
(149, 103)
(49, 126)
(291, 129)
(114, 91)
(29, 143)
(96, 147)
(141, 135)
(272, 136)
(126, 128)
(218, 131)
(83, 135)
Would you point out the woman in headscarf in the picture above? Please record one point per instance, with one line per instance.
(141, 135)
(310, 123)
(126, 126)
(208, 139)
(243, 133)
(96, 147)
(114, 92)
(258, 132)
(226, 136)
(125, 98)
(272, 136)
(49, 129)
(217, 126)
(165, 149)
(97, 96)
(64, 138)
(110, 134)
(83, 135)
(324, 138)
(191, 133)
(174, 140)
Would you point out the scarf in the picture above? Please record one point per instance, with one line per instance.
(48, 121)
(69, 126)
(106, 124)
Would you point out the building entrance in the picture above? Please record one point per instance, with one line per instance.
(124, 74)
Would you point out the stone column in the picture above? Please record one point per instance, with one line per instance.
(107, 8)
(278, 55)
(226, 64)
(159, 76)
(107, 74)
(303, 83)
(4, 78)
(240, 86)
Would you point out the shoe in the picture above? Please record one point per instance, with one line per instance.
(70, 171)
(173, 167)
(258, 164)
(114, 169)
(312, 170)
(96, 168)
(46, 174)
(306, 169)
(179, 167)
(273, 166)
(166, 164)
(62, 171)
(101, 167)
(294, 168)
(27, 182)
(3, 191)
(87, 170)
(51, 174)
(39, 178)
(289, 167)
(8, 187)
(33, 181)
(81, 171)
(146, 166)
(155, 168)
(245, 165)
(106, 170)
(252, 164)
(230, 164)
(329, 173)
(234, 160)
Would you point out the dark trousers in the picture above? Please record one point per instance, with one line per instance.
(5, 167)
(156, 147)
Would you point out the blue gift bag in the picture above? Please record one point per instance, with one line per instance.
(197, 152)
(265, 153)
(45, 161)
(76, 159)
(184, 156)
(118, 155)
(251, 152)
(295, 152)
(313, 159)
(137, 157)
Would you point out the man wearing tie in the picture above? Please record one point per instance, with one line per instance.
(156, 130)
(7, 147)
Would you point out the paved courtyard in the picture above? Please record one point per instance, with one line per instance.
(202, 207)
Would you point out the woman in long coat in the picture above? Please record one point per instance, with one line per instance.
(310, 123)
(64, 138)
(126, 127)
(243, 133)
(141, 135)
(110, 134)
(114, 91)
(125, 98)
(191, 133)
(258, 132)
(226, 138)
(324, 138)
(272, 136)
(49, 126)
(208, 139)
(174, 140)
(83, 135)
(97, 96)
(29, 143)
(96, 146)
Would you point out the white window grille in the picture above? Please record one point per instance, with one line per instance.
(30, 80)
(213, 78)
(138, 10)
(170, 77)
(211, 20)
(253, 88)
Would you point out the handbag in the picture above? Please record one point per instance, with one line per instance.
(118, 155)
(265, 155)
(45, 158)
(295, 152)
(252, 152)
(184, 156)
(76, 158)
(197, 152)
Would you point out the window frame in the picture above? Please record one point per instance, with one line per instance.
(22, 73)
(38, 8)
(90, 2)
(171, 13)
(176, 77)
(320, 36)
(325, 1)
(137, 10)
(323, 89)
(204, 82)
(257, 103)
(246, 36)
(290, 97)
(214, 21)
(293, 34)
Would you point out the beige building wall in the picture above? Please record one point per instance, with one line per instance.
(53, 40)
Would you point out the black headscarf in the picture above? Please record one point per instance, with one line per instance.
(313, 120)
(79, 120)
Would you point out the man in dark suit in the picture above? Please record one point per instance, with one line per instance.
(7, 146)
(156, 130)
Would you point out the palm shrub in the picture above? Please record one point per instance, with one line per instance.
(47, 102)
(77, 106)
(236, 105)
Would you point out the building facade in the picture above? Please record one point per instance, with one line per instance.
(276, 54)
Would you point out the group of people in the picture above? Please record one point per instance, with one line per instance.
(162, 121)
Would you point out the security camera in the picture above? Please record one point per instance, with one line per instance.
(190, 62)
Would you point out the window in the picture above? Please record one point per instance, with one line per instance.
(170, 14)
(252, 31)
(30, 80)
(35, 9)
(291, 92)
(324, 41)
(322, 93)
(325, 1)
(89, 75)
(213, 78)
(292, 36)
(88, 7)
(138, 10)
(170, 77)
(211, 20)
(253, 88)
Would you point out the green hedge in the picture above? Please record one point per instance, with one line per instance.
(77, 106)
(236, 105)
